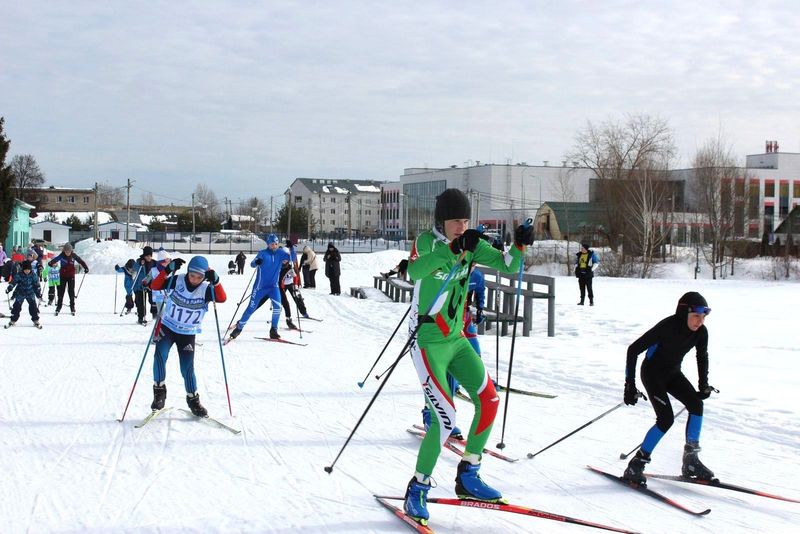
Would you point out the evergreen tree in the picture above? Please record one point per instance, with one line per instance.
(299, 220)
(6, 185)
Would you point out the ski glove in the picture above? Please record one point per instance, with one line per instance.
(258, 261)
(479, 317)
(212, 277)
(9, 289)
(174, 265)
(116, 266)
(523, 235)
(466, 242)
(704, 391)
(631, 393)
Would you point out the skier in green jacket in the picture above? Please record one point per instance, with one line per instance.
(440, 346)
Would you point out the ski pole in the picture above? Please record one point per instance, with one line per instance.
(361, 384)
(221, 352)
(146, 349)
(497, 330)
(502, 444)
(116, 289)
(620, 405)
(409, 341)
(80, 285)
(244, 296)
(379, 376)
(296, 305)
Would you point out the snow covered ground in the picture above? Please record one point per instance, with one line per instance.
(69, 466)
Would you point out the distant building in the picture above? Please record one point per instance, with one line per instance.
(502, 196)
(19, 228)
(344, 207)
(117, 230)
(64, 199)
(50, 232)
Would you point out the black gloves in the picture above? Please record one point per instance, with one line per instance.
(479, 317)
(704, 391)
(468, 241)
(9, 289)
(523, 235)
(212, 277)
(116, 266)
(258, 261)
(631, 393)
(174, 265)
(86, 271)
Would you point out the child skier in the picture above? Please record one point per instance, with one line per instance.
(66, 262)
(129, 272)
(666, 345)
(26, 287)
(440, 347)
(288, 278)
(181, 319)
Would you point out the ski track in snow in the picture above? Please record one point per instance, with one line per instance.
(73, 467)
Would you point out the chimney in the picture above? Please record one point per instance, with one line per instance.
(775, 146)
(769, 146)
(545, 163)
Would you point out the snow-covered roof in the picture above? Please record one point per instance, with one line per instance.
(121, 224)
(61, 216)
(368, 188)
(50, 224)
(241, 218)
(147, 219)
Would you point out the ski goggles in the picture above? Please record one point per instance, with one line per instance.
(705, 310)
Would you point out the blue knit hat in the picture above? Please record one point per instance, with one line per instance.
(272, 238)
(198, 264)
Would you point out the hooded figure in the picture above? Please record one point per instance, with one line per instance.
(332, 259)
(666, 344)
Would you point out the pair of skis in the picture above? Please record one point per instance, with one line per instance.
(714, 483)
(499, 507)
(457, 445)
(9, 325)
(219, 424)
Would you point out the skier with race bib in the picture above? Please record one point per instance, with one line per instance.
(185, 306)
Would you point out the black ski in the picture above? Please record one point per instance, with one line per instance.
(498, 387)
(714, 483)
(463, 443)
(303, 331)
(281, 340)
(647, 491)
(212, 421)
(312, 319)
(400, 514)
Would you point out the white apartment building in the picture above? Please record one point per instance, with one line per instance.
(344, 207)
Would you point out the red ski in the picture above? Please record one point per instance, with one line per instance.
(414, 525)
(514, 509)
(463, 443)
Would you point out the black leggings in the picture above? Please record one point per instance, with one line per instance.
(659, 383)
(69, 285)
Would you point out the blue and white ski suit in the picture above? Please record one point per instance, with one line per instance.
(266, 284)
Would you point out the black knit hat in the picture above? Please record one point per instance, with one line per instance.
(26, 265)
(147, 251)
(688, 300)
(452, 204)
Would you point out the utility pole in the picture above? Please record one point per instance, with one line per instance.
(349, 217)
(271, 199)
(289, 216)
(128, 203)
(193, 227)
(96, 229)
(320, 211)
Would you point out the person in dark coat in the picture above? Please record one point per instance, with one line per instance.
(26, 288)
(586, 261)
(332, 258)
(665, 346)
(240, 259)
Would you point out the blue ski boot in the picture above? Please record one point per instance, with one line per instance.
(470, 486)
(426, 422)
(416, 503)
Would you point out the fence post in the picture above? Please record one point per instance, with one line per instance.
(551, 307)
(527, 310)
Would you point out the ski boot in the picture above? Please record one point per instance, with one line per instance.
(235, 332)
(37, 324)
(693, 468)
(455, 433)
(141, 321)
(273, 333)
(416, 503)
(470, 486)
(159, 396)
(290, 325)
(58, 310)
(194, 404)
(634, 473)
(10, 324)
(305, 316)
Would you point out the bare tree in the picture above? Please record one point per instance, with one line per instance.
(620, 154)
(647, 210)
(108, 195)
(27, 176)
(148, 199)
(716, 177)
(565, 192)
(204, 196)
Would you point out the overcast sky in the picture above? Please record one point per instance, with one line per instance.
(246, 96)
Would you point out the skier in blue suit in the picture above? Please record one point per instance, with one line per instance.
(268, 262)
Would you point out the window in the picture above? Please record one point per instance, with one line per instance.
(59, 199)
(85, 200)
(298, 199)
(333, 222)
(769, 188)
(47, 235)
(71, 199)
(796, 192)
